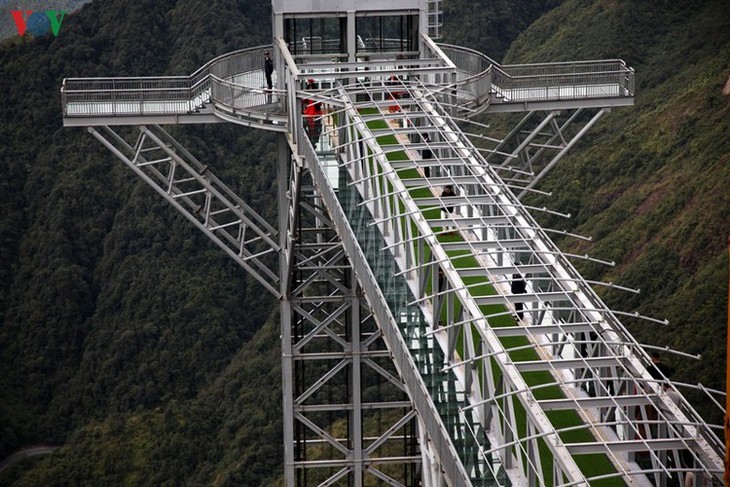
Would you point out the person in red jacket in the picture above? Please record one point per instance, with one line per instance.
(312, 116)
(394, 95)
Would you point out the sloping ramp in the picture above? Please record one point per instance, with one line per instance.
(518, 370)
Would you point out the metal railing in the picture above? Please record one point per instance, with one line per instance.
(570, 80)
(480, 78)
(233, 81)
(317, 45)
(384, 44)
(126, 96)
(473, 75)
(237, 84)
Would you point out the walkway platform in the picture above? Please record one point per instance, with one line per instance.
(231, 89)
(518, 372)
(547, 365)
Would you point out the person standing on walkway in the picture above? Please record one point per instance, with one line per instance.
(448, 210)
(268, 69)
(518, 286)
(426, 155)
(312, 115)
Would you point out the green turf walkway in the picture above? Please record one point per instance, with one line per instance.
(591, 465)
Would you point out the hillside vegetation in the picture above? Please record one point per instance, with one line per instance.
(651, 183)
(132, 342)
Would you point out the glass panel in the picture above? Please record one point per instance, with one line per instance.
(394, 33)
(315, 35)
(448, 397)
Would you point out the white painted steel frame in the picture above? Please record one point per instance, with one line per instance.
(441, 462)
(374, 184)
(534, 146)
(583, 345)
(612, 355)
(331, 351)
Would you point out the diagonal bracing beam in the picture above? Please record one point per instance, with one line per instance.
(188, 185)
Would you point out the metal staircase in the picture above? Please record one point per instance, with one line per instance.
(419, 347)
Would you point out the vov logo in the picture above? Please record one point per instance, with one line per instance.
(38, 23)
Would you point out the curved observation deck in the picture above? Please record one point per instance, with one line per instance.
(232, 87)
(482, 84)
(229, 88)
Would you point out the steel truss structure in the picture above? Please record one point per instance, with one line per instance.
(525, 155)
(523, 361)
(350, 416)
(191, 188)
(428, 337)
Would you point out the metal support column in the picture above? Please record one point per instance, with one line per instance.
(285, 242)
(348, 417)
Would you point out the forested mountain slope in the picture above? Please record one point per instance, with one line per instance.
(131, 341)
(651, 183)
(125, 334)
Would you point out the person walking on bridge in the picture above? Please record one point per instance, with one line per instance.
(426, 155)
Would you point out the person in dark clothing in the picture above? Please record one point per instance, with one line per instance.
(518, 286)
(448, 210)
(441, 280)
(426, 155)
(268, 69)
(658, 370)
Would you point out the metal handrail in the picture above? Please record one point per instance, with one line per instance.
(230, 79)
(174, 94)
(473, 83)
(473, 67)
(227, 80)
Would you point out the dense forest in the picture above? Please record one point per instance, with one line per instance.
(651, 184)
(132, 343)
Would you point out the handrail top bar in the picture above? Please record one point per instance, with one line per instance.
(553, 75)
(116, 78)
(131, 90)
(230, 54)
(207, 65)
(569, 63)
(467, 49)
